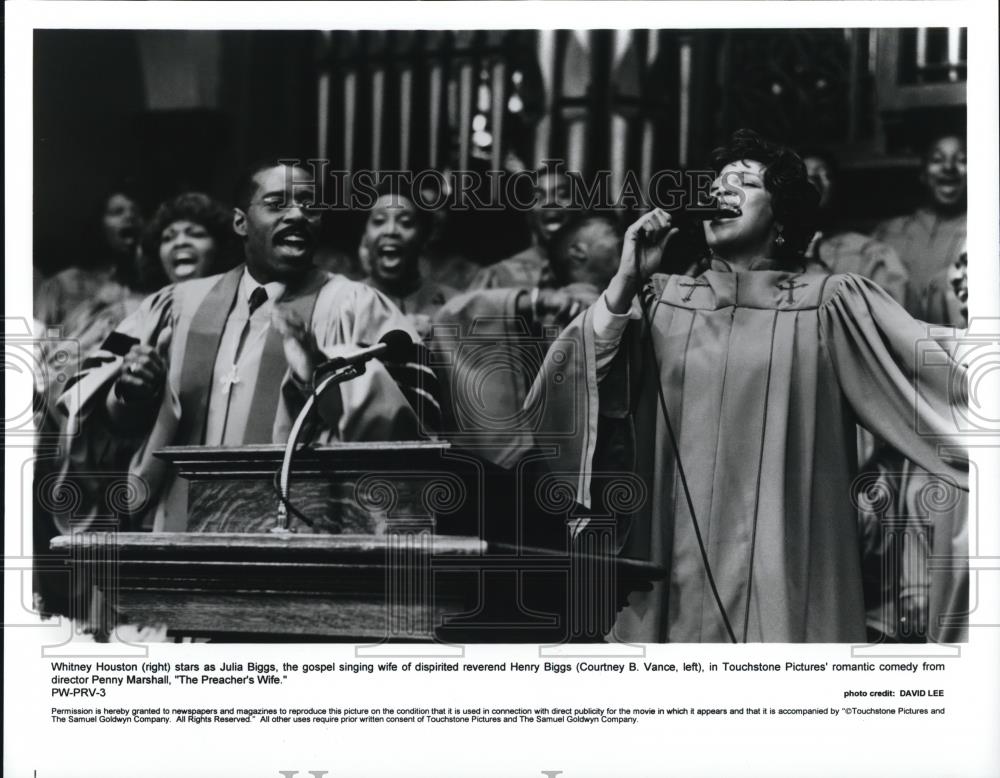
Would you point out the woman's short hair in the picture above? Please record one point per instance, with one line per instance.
(216, 218)
(394, 186)
(794, 200)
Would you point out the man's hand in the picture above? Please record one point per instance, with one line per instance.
(644, 243)
(143, 371)
(562, 305)
(299, 343)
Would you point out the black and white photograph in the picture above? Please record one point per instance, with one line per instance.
(506, 348)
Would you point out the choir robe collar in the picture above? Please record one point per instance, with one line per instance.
(764, 263)
(769, 284)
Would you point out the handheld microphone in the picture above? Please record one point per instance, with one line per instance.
(688, 216)
(711, 211)
(394, 346)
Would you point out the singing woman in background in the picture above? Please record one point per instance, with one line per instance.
(396, 230)
(190, 236)
(734, 396)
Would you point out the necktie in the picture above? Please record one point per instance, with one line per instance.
(257, 298)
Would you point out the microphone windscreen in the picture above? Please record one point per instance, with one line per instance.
(400, 346)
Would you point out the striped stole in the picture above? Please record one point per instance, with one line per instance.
(202, 351)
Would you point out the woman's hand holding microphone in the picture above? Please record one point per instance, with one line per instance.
(644, 244)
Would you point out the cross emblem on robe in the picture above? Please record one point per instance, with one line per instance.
(691, 287)
(231, 378)
(790, 286)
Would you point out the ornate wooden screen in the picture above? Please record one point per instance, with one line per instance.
(623, 100)
(599, 99)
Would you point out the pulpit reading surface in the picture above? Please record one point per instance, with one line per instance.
(407, 541)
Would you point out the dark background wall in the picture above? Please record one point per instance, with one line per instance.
(158, 113)
(163, 111)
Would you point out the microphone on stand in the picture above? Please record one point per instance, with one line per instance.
(394, 346)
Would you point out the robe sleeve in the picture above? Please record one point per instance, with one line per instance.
(50, 301)
(485, 278)
(375, 405)
(901, 378)
(93, 447)
(565, 401)
(608, 330)
(883, 266)
(85, 393)
(483, 354)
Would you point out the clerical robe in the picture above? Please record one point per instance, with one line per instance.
(201, 313)
(764, 375)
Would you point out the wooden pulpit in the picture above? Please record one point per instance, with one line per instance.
(402, 541)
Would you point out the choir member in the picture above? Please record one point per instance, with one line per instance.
(228, 359)
(552, 205)
(396, 231)
(108, 268)
(932, 237)
(835, 249)
(734, 397)
(495, 339)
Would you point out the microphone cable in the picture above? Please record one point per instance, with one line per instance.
(286, 501)
(276, 480)
(647, 316)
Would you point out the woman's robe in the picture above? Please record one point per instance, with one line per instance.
(764, 376)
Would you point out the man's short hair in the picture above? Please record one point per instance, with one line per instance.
(564, 236)
(246, 187)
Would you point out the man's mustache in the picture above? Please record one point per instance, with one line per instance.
(299, 230)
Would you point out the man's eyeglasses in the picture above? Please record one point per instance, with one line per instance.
(280, 204)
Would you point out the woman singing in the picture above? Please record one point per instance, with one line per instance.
(734, 397)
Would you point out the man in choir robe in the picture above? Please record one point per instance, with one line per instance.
(552, 207)
(759, 373)
(228, 360)
(490, 343)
